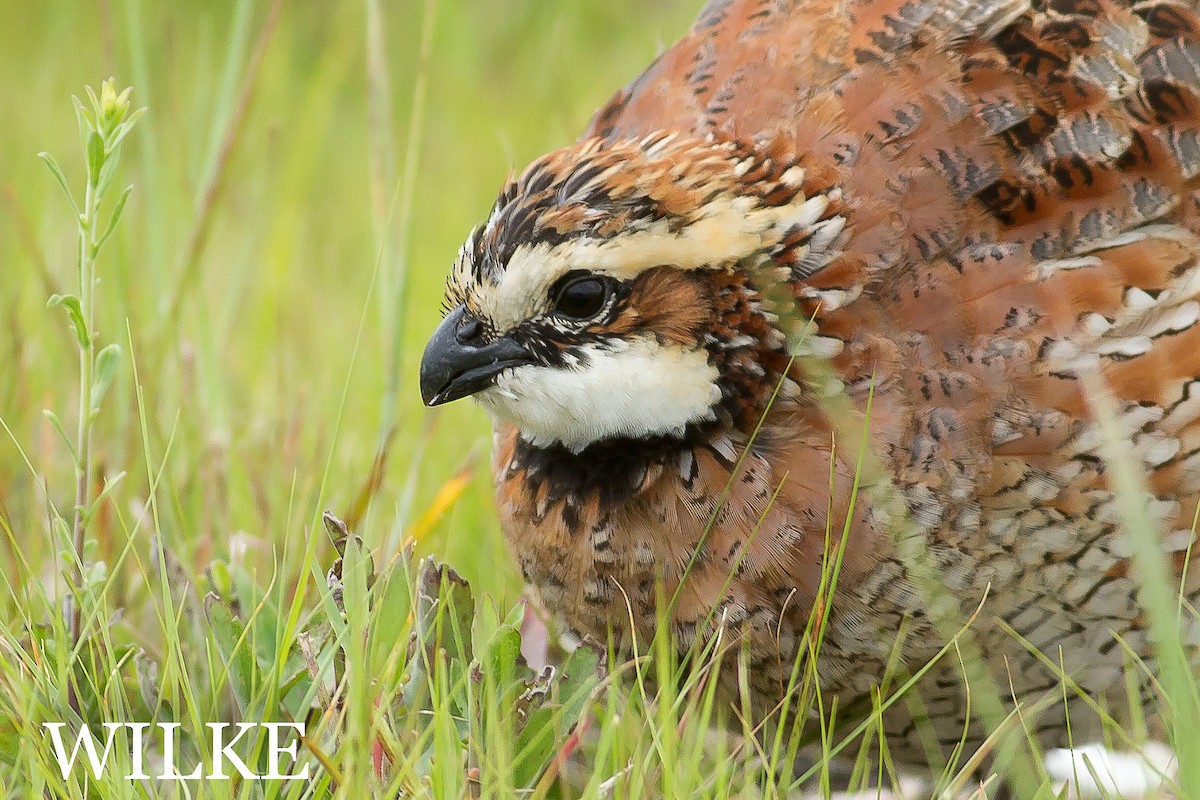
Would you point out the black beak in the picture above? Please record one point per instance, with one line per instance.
(458, 362)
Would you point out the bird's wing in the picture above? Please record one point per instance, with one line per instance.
(1020, 181)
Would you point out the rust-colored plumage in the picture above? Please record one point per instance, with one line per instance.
(974, 203)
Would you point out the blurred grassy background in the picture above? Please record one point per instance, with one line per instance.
(269, 176)
(288, 235)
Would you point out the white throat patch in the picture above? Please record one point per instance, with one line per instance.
(638, 388)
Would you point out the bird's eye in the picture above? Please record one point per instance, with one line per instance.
(581, 298)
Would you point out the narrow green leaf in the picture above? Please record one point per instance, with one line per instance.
(124, 128)
(107, 361)
(95, 158)
(516, 615)
(66, 547)
(84, 118)
(96, 109)
(118, 209)
(110, 483)
(58, 426)
(75, 313)
(107, 173)
(59, 178)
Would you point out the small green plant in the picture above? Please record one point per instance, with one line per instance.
(104, 122)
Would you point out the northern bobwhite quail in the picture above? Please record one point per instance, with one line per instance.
(948, 209)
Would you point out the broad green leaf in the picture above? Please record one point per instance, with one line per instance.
(580, 675)
(219, 578)
(391, 608)
(504, 650)
(445, 607)
(537, 742)
(227, 632)
(95, 574)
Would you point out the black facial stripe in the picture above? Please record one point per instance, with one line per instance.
(555, 340)
(611, 468)
(555, 347)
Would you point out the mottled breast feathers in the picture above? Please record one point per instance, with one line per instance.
(947, 209)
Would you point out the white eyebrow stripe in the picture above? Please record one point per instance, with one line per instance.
(726, 230)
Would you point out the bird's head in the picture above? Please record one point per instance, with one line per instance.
(617, 289)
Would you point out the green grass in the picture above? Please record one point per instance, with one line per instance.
(302, 180)
(246, 380)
